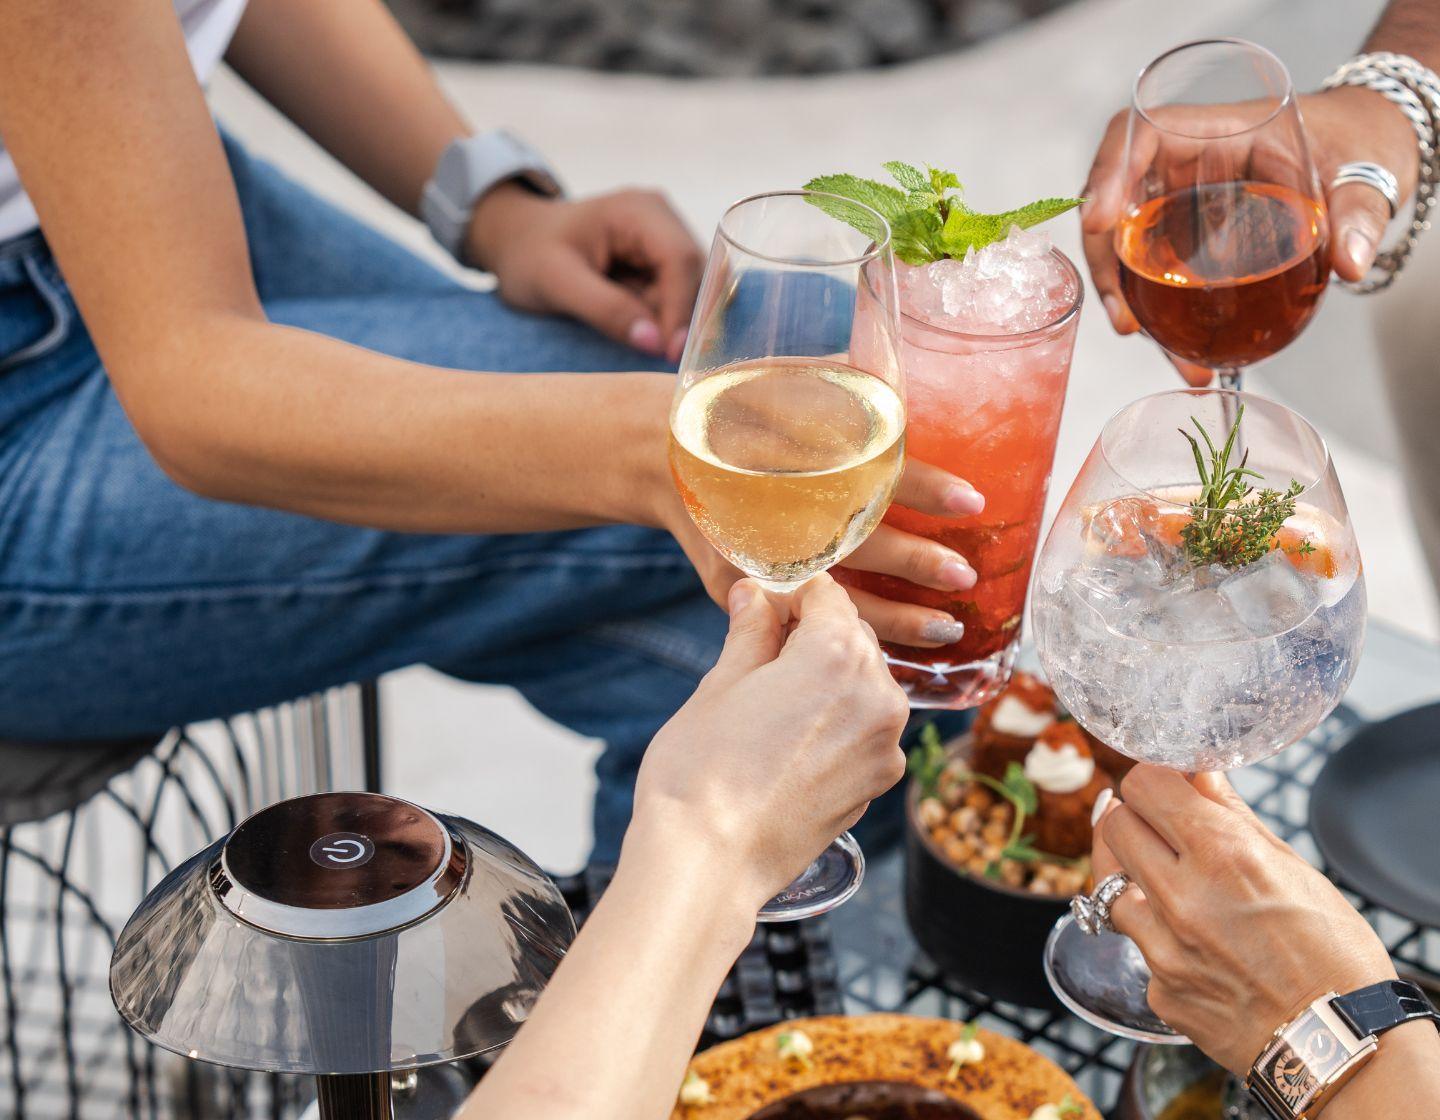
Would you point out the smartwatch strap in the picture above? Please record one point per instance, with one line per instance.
(468, 169)
(1381, 1007)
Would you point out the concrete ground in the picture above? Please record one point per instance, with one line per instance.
(1018, 118)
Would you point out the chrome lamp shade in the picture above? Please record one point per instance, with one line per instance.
(342, 934)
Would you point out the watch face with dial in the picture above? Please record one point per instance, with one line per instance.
(1301, 1062)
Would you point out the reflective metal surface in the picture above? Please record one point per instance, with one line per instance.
(248, 954)
(338, 865)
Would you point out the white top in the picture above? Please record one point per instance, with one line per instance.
(208, 26)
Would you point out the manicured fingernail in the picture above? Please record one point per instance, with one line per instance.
(645, 335)
(963, 498)
(677, 344)
(1112, 309)
(958, 575)
(944, 630)
(1359, 248)
(742, 594)
(1106, 796)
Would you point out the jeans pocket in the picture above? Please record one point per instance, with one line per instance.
(35, 314)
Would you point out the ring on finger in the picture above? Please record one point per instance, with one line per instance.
(1373, 175)
(1092, 911)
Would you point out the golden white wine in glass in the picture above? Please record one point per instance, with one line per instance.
(787, 464)
(787, 432)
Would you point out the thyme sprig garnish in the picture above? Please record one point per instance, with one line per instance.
(1232, 524)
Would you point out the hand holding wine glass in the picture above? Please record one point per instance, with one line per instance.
(1199, 604)
(787, 431)
(1239, 931)
(1206, 226)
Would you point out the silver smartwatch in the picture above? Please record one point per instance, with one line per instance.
(467, 170)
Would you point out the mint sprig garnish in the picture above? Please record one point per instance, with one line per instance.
(928, 217)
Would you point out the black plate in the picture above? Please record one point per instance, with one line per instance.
(1375, 814)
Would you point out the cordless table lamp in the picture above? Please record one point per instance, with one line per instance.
(346, 936)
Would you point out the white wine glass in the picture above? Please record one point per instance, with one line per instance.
(787, 432)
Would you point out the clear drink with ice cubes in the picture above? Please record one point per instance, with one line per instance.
(1173, 657)
(1198, 666)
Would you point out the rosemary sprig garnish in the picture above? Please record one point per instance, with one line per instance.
(1230, 523)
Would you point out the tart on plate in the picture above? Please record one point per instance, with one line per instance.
(877, 1067)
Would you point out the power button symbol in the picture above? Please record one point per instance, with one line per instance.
(342, 849)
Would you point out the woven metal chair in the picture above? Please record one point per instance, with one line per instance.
(86, 829)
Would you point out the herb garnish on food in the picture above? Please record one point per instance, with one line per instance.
(794, 1046)
(965, 1050)
(927, 762)
(1230, 524)
(927, 213)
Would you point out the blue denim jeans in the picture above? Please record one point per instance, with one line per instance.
(128, 604)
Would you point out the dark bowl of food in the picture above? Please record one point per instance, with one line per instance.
(998, 837)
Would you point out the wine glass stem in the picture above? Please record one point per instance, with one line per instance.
(1230, 379)
(782, 597)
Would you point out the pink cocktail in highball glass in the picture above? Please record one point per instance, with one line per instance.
(986, 347)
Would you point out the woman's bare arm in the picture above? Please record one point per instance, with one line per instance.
(779, 749)
(114, 143)
(346, 73)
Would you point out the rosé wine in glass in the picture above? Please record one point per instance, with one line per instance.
(986, 345)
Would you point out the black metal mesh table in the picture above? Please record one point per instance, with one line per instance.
(881, 969)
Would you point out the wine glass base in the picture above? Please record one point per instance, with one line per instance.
(832, 879)
(1103, 980)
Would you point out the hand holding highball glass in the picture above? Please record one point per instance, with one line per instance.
(787, 431)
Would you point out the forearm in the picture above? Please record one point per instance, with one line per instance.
(1404, 1071)
(346, 73)
(1409, 27)
(612, 1035)
(243, 410)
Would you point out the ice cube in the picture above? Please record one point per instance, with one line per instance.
(1028, 242)
(1270, 596)
(1008, 286)
(1189, 614)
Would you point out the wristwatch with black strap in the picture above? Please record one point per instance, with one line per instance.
(1311, 1057)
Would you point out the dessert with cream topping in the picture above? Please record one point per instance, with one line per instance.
(877, 1067)
(1006, 727)
(1010, 802)
(1062, 768)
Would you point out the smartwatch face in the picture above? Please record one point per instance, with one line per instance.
(1303, 1061)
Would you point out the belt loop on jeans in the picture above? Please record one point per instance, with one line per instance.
(24, 245)
(54, 300)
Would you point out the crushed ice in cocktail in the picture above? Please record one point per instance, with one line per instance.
(1007, 287)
